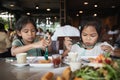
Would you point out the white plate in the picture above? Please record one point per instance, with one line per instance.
(96, 65)
(66, 60)
(87, 57)
(41, 65)
(19, 65)
(33, 62)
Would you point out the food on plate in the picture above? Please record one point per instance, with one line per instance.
(101, 68)
(66, 74)
(44, 61)
(102, 59)
(100, 73)
(48, 76)
(59, 78)
(91, 71)
(91, 59)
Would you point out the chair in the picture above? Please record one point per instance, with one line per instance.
(54, 47)
(6, 54)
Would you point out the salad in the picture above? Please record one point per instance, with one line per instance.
(108, 71)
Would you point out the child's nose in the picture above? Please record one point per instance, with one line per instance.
(88, 38)
(30, 33)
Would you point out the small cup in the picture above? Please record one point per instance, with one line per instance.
(21, 58)
(56, 59)
(72, 56)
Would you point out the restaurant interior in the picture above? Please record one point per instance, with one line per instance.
(50, 15)
(59, 10)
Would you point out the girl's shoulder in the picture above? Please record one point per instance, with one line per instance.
(17, 42)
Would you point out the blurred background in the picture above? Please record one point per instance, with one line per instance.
(49, 14)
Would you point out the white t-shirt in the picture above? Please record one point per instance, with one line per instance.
(90, 53)
(66, 30)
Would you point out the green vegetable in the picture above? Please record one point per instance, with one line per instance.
(112, 73)
(107, 54)
(101, 73)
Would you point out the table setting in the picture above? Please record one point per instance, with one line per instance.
(33, 69)
(101, 67)
(22, 60)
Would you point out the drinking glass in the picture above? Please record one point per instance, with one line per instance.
(21, 58)
(56, 59)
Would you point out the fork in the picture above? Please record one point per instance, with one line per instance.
(46, 50)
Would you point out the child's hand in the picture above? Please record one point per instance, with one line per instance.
(47, 37)
(106, 48)
(42, 44)
(49, 41)
(68, 43)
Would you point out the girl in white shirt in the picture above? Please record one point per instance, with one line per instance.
(90, 44)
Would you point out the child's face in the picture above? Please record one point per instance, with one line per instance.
(28, 33)
(89, 36)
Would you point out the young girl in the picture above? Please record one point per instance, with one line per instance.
(90, 44)
(27, 41)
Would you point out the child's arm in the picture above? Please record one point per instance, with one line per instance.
(15, 49)
(40, 44)
(68, 45)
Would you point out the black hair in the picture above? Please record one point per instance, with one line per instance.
(91, 21)
(23, 21)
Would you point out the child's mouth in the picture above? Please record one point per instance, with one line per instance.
(87, 45)
(30, 38)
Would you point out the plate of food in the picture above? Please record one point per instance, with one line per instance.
(40, 62)
(83, 59)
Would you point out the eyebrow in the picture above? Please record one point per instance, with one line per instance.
(90, 34)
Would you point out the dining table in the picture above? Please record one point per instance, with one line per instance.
(8, 71)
